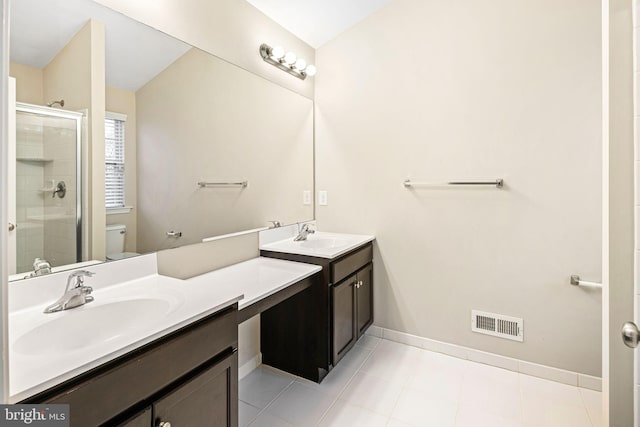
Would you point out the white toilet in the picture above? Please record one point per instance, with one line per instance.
(115, 242)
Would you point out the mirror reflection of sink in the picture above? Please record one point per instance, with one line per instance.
(89, 325)
(323, 243)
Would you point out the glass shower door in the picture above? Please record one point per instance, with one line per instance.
(47, 185)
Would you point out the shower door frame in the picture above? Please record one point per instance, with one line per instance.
(63, 114)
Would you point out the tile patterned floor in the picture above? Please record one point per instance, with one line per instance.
(384, 383)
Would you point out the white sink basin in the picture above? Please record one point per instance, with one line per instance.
(320, 244)
(46, 349)
(88, 325)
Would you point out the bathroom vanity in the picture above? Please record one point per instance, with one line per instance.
(331, 316)
(148, 349)
(186, 378)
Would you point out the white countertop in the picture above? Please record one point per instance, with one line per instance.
(320, 244)
(170, 304)
(258, 278)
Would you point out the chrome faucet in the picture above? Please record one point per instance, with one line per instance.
(304, 232)
(40, 267)
(75, 294)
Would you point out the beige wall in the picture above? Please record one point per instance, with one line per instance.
(124, 102)
(77, 75)
(29, 82)
(468, 90)
(68, 75)
(203, 119)
(96, 132)
(230, 29)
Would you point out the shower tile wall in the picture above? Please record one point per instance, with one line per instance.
(30, 176)
(45, 152)
(60, 227)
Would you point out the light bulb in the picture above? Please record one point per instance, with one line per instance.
(310, 70)
(290, 58)
(301, 64)
(277, 52)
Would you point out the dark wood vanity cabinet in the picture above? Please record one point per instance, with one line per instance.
(364, 299)
(343, 296)
(325, 320)
(141, 419)
(204, 400)
(187, 378)
(352, 313)
(208, 399)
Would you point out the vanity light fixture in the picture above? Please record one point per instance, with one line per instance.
(288, 61)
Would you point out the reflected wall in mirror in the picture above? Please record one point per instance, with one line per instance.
(157, 117)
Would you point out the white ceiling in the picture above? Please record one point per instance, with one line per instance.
(317, 21)
(135, 53)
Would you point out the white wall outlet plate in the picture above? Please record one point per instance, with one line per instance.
(306, 197)
(322, 198)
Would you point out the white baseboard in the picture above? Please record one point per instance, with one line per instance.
(516, 365)
(249, 366)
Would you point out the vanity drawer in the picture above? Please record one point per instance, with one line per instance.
(351, 263)
(136, 377)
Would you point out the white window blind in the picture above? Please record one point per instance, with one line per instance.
(114, 159)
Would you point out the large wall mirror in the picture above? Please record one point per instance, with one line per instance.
(129, 141)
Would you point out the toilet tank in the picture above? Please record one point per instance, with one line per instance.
(115, 238)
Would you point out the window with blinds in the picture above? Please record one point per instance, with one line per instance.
(114, 160)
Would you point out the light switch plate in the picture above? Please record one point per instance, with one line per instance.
(322, 198)
(306, 197)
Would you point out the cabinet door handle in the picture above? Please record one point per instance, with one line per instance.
(164, 424)
(12, 226)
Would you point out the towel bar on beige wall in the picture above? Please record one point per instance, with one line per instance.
(498, 183)
(575, 280)
(243, 184)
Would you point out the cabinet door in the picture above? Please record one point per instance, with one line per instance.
(208, 400)
(343, 317)
(143, 419)
(364, 299)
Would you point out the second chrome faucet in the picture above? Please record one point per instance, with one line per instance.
(305, 230)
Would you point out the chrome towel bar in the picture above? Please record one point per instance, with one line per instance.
(575, 280)
(498, 183)
(243, 184)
